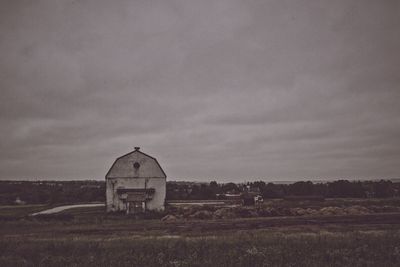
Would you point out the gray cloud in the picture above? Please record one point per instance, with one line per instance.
(227, 90)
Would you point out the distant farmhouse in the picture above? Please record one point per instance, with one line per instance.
(135, 183)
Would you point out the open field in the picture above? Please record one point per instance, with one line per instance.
(89, 237)
(87, 223)
(254, 248)
(16, 211)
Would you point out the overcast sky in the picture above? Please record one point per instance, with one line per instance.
(227, 90)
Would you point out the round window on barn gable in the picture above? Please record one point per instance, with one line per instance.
(136, 165)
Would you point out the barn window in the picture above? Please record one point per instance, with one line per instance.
(136, 165)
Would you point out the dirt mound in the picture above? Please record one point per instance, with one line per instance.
(245, 212)
(331, 211)
(298, 211)
(201, 214)
(384, 208)
(356, 210)
(224, 213)
(352, 210)
(302, 212)
(230, 212)
(169, 218)
(266, 211)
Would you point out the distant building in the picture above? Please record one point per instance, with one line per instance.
(18, 201)
(135, 183)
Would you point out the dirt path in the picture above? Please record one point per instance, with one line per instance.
(66, 207)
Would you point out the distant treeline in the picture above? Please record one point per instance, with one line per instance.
(335, 189)
(63, 192)
(51, 192)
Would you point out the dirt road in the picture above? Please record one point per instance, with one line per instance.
(66, 207)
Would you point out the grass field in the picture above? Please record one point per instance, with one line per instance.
(15, 211)
(250, 248)
(89, 237)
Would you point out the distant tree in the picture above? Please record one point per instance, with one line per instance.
(383, 189)
(213, 184)
(271, 191)
(258, 184)
(344, 188)
(195, 192)
(230, 187)
(301, 188)
(215, 188)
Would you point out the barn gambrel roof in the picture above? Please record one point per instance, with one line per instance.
(123, 167)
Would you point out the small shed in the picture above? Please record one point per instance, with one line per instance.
(135, 183)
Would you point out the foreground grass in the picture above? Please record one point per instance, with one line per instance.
(89, 237)
(249, 248)
(12, 212)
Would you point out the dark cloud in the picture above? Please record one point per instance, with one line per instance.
(227, 90)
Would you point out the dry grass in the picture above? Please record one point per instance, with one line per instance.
(92, 238)
(241, 249)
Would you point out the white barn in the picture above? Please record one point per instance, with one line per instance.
(135, 183)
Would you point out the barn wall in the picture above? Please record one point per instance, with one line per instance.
(115, 204)
(158, 201)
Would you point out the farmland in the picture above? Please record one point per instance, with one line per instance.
(287, 229)
(255, 248)
(341, 232)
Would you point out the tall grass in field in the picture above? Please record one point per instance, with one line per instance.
(242, 249)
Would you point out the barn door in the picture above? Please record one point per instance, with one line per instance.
(136, 207)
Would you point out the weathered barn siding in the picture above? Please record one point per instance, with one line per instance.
(135, 171)
(112, 198)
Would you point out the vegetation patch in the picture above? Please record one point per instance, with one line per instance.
(281, 207)
(241, 249)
